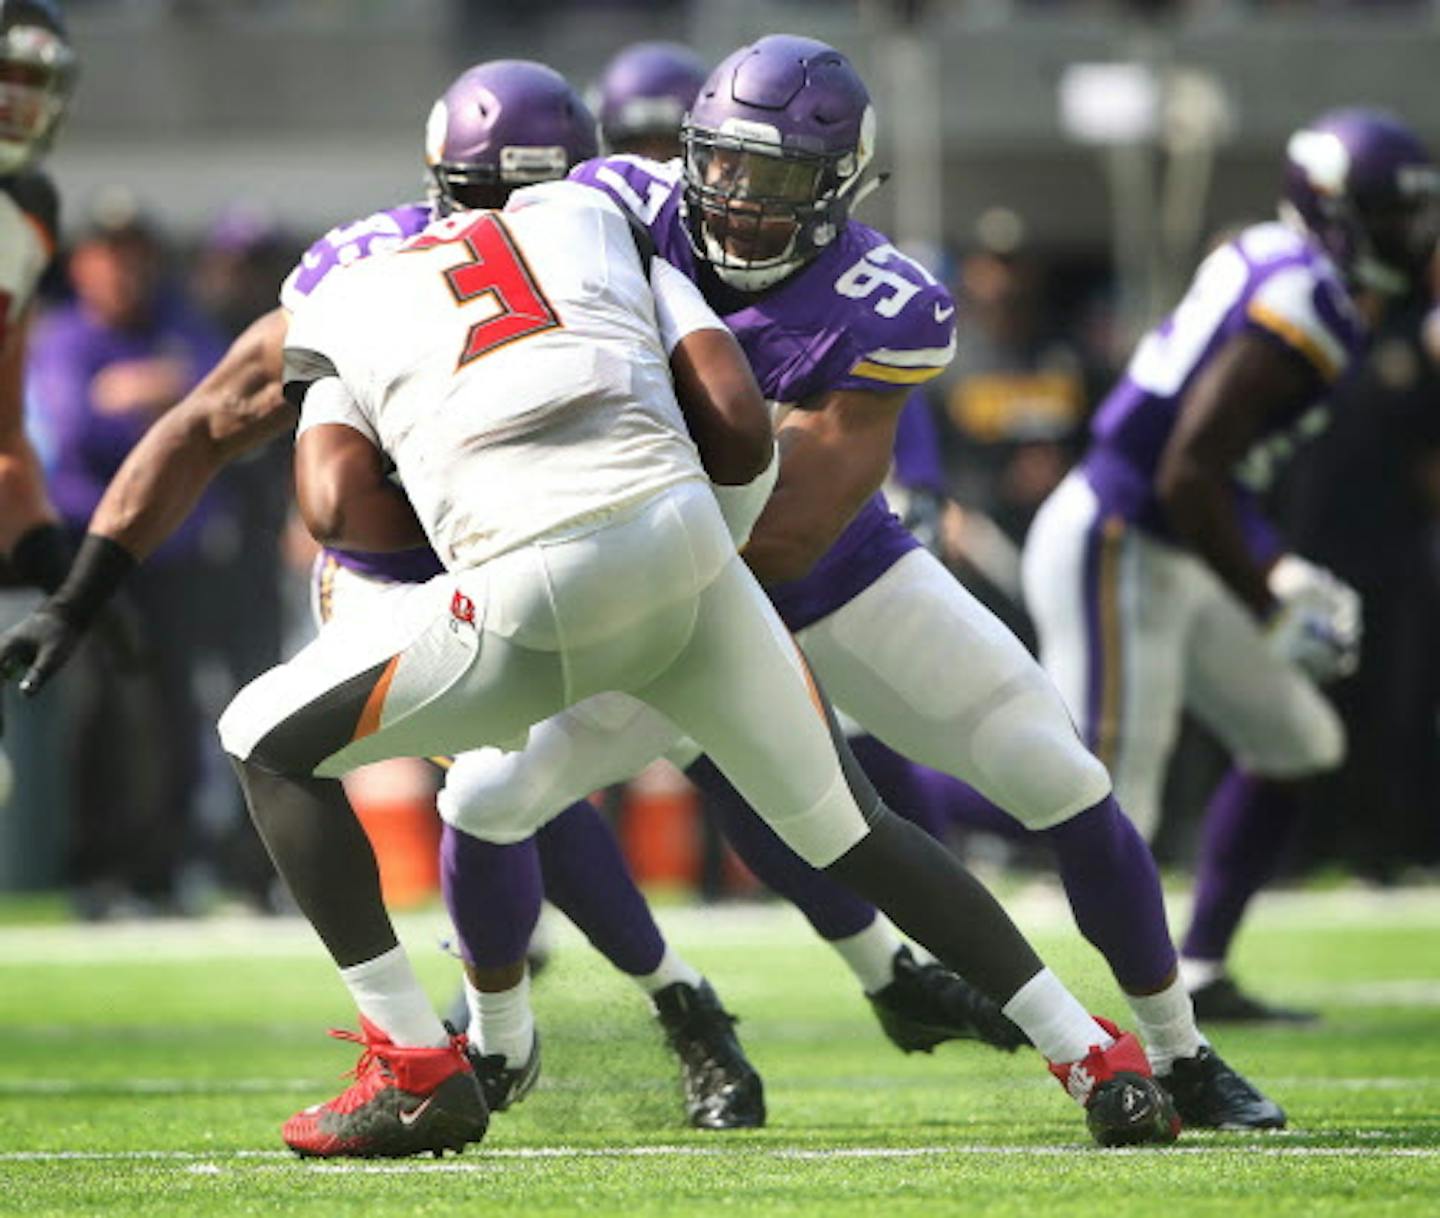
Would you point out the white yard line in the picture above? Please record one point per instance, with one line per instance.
(37, 1087)
(480, 1160)
(1037, 906)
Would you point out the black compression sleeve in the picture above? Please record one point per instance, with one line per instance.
(99, 569)
(42, 557)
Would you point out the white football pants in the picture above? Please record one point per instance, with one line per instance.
(651, 600)
(1133, 631)
(914, 659)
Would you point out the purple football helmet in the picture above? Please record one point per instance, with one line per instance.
(37, 75)
(776, 147)
(503, 124)
(646, 90)
(1365, 187)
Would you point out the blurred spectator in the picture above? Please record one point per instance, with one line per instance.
(101, 370)
(1011, 412)
(238, 268)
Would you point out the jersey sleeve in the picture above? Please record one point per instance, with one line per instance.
(898, 323)
(680, 309)
(1307, 313)
(329, 400)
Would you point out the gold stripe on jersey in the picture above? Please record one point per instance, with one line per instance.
(1293, 335)
(894, 376)
(1112, 670)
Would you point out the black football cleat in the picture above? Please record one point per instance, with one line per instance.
(927, 1004)
(1222, 1001)
(1124, 1106)
(404, 1101)
(1208, 1094)
(722, 1089)
(503, 1084)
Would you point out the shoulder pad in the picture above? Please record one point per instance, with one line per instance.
(641, 186)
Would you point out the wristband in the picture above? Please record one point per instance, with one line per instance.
(100, 567)
(41, 557)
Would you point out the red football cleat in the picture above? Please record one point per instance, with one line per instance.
(1124, 1105)
(404, 1101)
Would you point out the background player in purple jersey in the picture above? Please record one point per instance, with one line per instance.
(1155, 581)
(644, 92)
(839, 327)
(515, 123)
(37, 73)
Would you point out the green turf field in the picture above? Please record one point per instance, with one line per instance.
(146, 1070)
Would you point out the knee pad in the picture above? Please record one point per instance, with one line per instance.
(1028, 759)
(495, 796)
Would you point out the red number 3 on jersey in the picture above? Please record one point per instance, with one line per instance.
(495, 270)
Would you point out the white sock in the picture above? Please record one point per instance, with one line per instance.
(871, 954)
(1167, 1025)
(1195, 973)
(1052, 1017)
(389, 995)
(502, 1022)
(670, 970)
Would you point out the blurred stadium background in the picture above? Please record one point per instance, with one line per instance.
(1061, 162)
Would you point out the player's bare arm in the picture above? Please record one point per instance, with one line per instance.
(723, 407)
(234, 410)
(833, 457)
(23, 503)
(1222, 414)
(345, 496)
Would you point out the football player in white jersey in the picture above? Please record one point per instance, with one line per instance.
(37, 72)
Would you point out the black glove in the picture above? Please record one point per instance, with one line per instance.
(41, 558)
(39, 646)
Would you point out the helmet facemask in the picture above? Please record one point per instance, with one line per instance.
(757, 211)
(456, 186)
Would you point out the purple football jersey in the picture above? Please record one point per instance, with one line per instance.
(860, 316)
(1270, 280)
(342, 245)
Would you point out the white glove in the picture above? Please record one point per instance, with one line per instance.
(1316, 624)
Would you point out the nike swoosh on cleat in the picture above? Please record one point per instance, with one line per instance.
(409, 1118)
(944, 314)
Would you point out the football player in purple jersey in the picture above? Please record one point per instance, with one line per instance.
(839, 327)
(1155, 581)
(37, 74)
(642, 96)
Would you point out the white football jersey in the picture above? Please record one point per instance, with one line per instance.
(513, 365)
